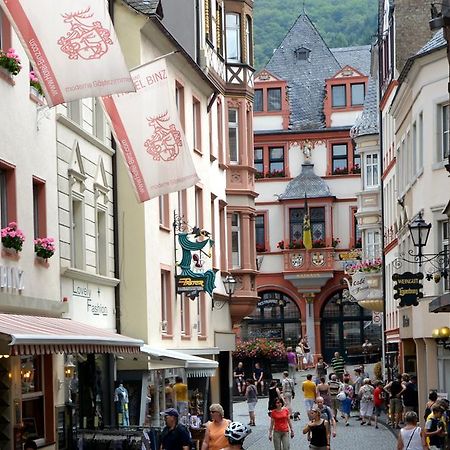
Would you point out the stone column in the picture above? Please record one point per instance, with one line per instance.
(310, 329)
(422, 383)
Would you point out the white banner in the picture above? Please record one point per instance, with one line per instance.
(147, 127)
(72, 46)
(359, 288)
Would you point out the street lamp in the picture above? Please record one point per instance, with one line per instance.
(442, 336)
(230, 286)
(419, 230)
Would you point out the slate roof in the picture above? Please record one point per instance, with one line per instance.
(306, 78)
(307, 182)
(367, 122)
(356, 57)
(147, 7)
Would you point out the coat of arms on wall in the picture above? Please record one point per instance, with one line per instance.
(318, 259)
(297, 261)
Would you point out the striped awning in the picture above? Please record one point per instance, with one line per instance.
(33, 335)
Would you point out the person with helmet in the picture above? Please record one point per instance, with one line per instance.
(236, 433)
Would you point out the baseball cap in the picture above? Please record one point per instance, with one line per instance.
(170, 412)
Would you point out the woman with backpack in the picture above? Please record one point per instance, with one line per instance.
(366, 402)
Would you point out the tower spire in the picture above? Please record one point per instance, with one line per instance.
(304, 1)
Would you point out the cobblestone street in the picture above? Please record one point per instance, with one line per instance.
(354, 437)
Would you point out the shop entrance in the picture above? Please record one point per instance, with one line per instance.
(275, 317)
(345, 326)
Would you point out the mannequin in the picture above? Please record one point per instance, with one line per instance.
(121, 402)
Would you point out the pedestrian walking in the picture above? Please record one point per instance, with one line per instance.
(357, 384)
(274, 394)
(292, 363)
(215, 429)
(300, 354)
(411, 436)
(323, 390)
(180, 393)
(258, 377)
(239, 378)
(236, 433)
(288, 391)
(318, 431)
(432, 399)
(327, 414)
(309, 392)
(174, 435)
(345, 396)
(307, 352)
(395, 389)
(410, 395)
(280, 426)
(251, 394)
(338, 364)
(365, 395)
(367, 350)
(321, 369)
(379, 401)
(335, 387)
(435, 428)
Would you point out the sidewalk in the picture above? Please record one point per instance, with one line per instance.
(353, 437)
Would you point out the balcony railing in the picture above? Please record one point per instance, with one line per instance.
(314, 260)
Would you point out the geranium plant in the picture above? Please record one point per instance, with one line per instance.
(260, 348)
(356, 168)
(368, 265)
(340, 171)
(260, 248)
(34, 81)
(318, 243)
(275, 174)
(10, 60)
(336, 242)
(44, 247)
(12, 237)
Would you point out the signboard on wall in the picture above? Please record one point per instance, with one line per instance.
(186, 284)
(408, 288)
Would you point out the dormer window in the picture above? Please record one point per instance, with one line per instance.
(302, 54)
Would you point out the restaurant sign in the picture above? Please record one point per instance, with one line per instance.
(408, 288)
(187, 284)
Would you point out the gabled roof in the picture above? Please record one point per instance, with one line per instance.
(264, 75)
(307, 182)
(305, 78)
(356, 57)
(367, 122)
(147, 7)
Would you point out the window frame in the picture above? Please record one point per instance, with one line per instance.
(101, 240)
(333, 86)
(77, 231)
(201, 316)
(273, 84)
(372, 247)
(444, 239)
(266, 161)
(258, 91)
(236, 29)
(444, 131)
(371, 182)
(164, 212)
(39, 208)
(233, 126)
(276, 160)
(351, 93)
(265, 244)
(166, 301)
(8, 198)
(199, 214)
(196, 125)
(236, 236)
(278, 89)
(185, 317)
(345, 157)
(179, 102)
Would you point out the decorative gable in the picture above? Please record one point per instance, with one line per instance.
(264, 75)
(101, 187)
(76, 171)
(347, 72)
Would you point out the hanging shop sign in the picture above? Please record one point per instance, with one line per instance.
(408, 288)
(351, 255)
(377, 318)
(187, 284)
(358, 286)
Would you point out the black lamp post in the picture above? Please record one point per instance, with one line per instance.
(230, 286)
(419, 230)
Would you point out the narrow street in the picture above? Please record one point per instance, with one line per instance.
(354, 437)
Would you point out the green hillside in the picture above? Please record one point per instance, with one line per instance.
(341, 22)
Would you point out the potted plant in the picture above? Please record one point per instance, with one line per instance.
(34, 83)
(44, 247)
(260, 248)
(259, 175)
(276, 174)
(260, 348)
(12, 237)
(340, 171)
(10, 61)
(280, 245)
(336, 242)
(318, 243)
(356, 169)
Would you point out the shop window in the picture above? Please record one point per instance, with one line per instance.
(358, 92)
(276, 161)
(196, 124)
(77, 234)
(372, 170)
(339, 158)
(179, 100)
(258, 100)
(233, 135)
(274, 99)
(258, 162)
(233, 37)
(338, 96)
(260, 233)
(235, 241)
(166, 307)
(39, 209)
(164, 211)
(102, 242)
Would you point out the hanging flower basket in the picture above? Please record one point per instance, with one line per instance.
(44, 247)
(12, 237)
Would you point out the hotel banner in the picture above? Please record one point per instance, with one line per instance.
(72, 46)
(147, 127)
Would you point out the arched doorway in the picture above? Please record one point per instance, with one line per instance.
(276, 317)
(344, 327)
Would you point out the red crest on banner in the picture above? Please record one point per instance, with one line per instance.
(84, 40)
(166, 141)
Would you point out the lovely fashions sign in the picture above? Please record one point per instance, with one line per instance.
(72, 46)
(147, 127)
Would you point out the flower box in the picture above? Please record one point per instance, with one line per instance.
(44, 247)
(12, 237)
(10, 61)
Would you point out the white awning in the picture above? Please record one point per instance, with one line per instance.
(195, 365)
(34, 335)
